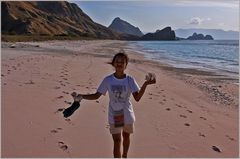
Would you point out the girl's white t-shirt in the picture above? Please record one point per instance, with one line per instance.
(119, 91)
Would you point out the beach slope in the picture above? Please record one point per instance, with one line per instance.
(182, 115)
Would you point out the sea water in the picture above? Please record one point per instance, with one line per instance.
(220, 56)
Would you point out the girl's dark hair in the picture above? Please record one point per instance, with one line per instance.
(120, 54)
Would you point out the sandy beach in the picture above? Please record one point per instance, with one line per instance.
(187, 113)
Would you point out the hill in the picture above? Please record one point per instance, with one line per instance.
(124, 27)
(50, 18)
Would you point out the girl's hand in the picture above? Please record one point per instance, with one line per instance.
(73, 94)
(76, 97)
(150, 79)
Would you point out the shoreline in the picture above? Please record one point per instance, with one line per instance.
(183, 115)
(192, 71)
(204, 80)
(180, 63)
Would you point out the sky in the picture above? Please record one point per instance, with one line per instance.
(150, 16)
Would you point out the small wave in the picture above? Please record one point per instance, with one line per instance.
(215, 58)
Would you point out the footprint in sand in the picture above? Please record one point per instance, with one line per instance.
(215, 148)
(56, 87)
(183, 116)
(59, 110)
(212, 127)
(59, 97)
(63, 84)
(186, 124)
(230, 138)
(203, 118)
(200, 134)
(54, 131)
(68, 102)
(62, 146)
(189, 111)
(30, 82)
(161, 103)
(69, 121)
(65, 92)
(168, 109)
(178, 105)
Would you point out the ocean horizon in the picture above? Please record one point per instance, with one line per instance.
(220, 56)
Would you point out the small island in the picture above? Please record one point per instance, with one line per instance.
(165, 34)
(196, 36)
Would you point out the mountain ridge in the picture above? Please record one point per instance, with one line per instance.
(165, 34)
(50, 18)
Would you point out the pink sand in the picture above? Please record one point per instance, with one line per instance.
(173, 119)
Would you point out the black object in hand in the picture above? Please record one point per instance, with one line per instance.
(70, 110)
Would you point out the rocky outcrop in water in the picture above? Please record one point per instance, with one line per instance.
(196, 36)
(164, 34)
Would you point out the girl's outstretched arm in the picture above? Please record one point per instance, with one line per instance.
(138, 95)
(91, 96)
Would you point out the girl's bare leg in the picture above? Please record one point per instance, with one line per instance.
(117, 145)
(126, 143)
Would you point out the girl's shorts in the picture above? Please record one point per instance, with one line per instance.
(128, 128)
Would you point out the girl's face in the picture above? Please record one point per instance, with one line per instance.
(120, 64)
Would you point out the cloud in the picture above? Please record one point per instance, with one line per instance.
(198, 20)
(221, 24)
(195, 21)
(208, 19)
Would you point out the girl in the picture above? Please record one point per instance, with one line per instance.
(120, 112)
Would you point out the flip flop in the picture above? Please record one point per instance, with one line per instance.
(70, 110)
